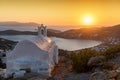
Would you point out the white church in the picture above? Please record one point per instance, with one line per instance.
(39, 54)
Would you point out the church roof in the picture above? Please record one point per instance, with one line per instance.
(44, 43)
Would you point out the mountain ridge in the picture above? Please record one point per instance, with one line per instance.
(97, 33)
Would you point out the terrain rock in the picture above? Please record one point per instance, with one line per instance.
(98, 76)
(105, 75)
(118, 77)
(118, 70)
(94, 61)
(110, 66)
(98, 69)
(116, 59)
(77, 76)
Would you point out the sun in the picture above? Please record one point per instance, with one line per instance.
(87, 20)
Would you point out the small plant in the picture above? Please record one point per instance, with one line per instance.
(63, 52)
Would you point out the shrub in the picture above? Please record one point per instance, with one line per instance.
(110, 52)
(80, 59)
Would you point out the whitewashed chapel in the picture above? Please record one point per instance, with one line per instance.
(39, 54)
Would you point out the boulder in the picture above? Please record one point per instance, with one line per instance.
(94, 61)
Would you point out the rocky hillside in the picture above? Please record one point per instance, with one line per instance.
(6, 44)
(14, 32)
(92, 33)
(83, 33)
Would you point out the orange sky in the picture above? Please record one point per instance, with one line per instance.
(61, 12)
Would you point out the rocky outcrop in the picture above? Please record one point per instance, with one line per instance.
(109, 71)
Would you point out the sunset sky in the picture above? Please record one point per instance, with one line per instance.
(61, 12)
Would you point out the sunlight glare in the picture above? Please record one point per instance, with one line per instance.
(87, 20)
